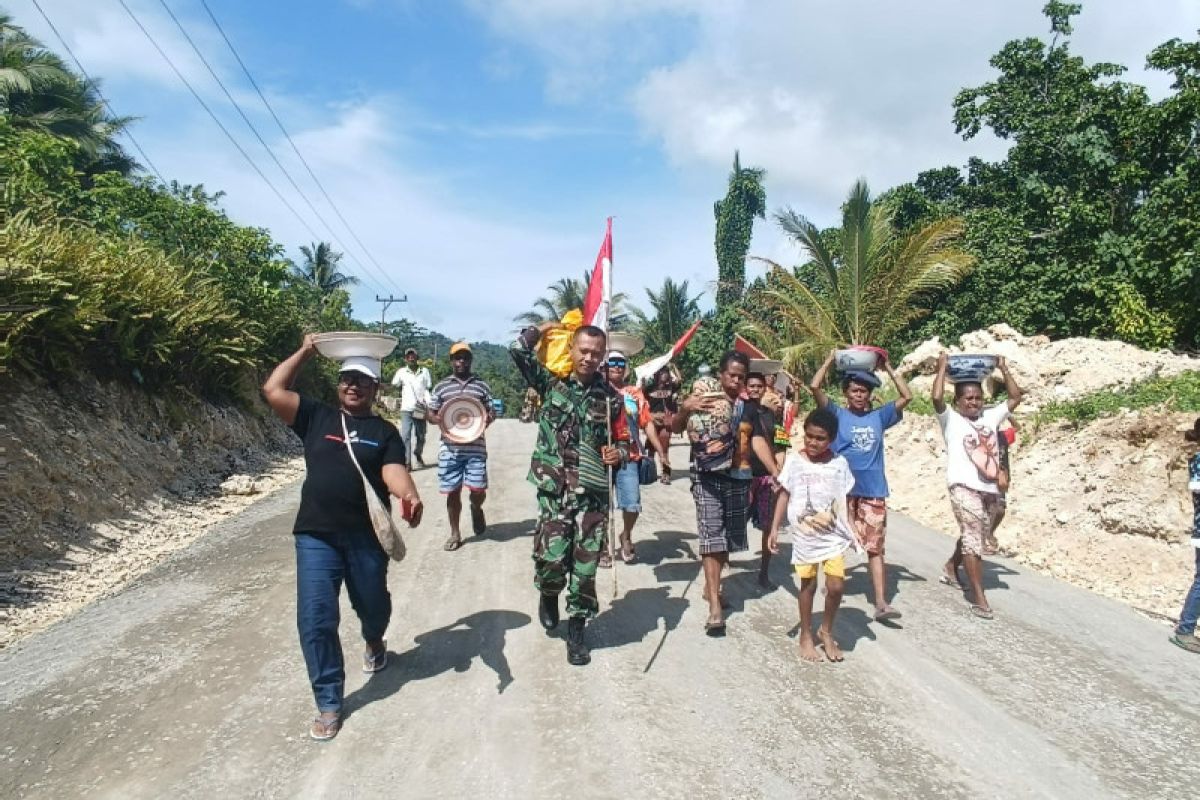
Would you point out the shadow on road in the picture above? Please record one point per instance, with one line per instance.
(631, 618)
(664, 546)
(504, 532)
(451, 647)
(858, 580)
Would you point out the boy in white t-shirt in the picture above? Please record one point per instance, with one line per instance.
(812, 486)
(972, 473)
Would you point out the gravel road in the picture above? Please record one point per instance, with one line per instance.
(191, 684)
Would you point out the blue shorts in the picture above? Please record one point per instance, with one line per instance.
(629, 487)
(461, 468)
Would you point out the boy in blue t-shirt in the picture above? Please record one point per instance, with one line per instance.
(860, 441)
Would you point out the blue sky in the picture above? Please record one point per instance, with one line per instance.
(476, 147)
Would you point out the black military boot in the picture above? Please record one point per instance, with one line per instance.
(548, 611)
(577, 651)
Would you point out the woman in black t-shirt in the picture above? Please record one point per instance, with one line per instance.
(663, 398)
(334, 537)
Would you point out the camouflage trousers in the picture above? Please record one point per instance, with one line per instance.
(566, 547)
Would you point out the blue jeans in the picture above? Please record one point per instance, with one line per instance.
(322, 562)
(1191, 604)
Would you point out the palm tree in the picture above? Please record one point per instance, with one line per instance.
(38, 92)
(564, 295)
(320, 269)
(672, 312)
(865, 288)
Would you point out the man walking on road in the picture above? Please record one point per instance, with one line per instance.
(569, 470)
(628, 477)
(462, 464)
(414, 381)
(721, 478)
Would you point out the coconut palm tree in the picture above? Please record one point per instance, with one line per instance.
(672, 312)
(39, 92)
(565, 294)
(864, 289)
(320, 269)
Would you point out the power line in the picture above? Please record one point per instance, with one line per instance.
(96, 88)
(254, 130)
(288, 136)
(217, 120)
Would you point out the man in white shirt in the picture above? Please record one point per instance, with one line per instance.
(414, 382)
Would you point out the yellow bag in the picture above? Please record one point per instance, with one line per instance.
(554, 348)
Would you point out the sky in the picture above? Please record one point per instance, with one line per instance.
(475, 147)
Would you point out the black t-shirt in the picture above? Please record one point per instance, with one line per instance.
(332, 498)
(763, 421)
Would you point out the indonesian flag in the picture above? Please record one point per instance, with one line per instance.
(598, 302)
(647, 371)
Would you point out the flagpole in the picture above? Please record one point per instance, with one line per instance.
(607, 285)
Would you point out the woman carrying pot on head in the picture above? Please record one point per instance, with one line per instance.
(334, 537)
(972, 473)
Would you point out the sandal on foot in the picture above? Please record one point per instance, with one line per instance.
(375, 662)
(452, 544)
(715, 627)
(887, 613)
(605, 560)
(1189, 643)
(478, 521)
(981, 612)
(948, 581)
(325, 728)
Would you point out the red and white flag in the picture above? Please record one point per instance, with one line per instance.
(598, 302)
(647, 371)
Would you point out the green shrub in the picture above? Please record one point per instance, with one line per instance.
(1178, 393)
(78, 301)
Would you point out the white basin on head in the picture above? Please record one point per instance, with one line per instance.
(856, 359)
(340, 345)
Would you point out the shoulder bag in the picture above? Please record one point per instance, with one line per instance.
(381, 519)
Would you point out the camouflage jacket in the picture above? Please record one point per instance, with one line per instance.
(571, 426)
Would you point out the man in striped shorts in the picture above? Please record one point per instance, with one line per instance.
(462, 464)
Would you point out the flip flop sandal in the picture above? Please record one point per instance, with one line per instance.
(886, 614)
(948, 581)
(324, 728)
(982, 613)
(375, 662)
(478, 521)
(714, 628)
(451, 545)
(605, 561)
(1190, 643)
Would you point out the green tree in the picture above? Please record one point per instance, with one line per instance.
(865, 290)
(566, 294)
(1091, 215)
(744, 200)
(320, 269)
(39, 92)
(672, 312)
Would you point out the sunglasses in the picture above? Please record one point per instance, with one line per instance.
(356, 379)
(616, 362)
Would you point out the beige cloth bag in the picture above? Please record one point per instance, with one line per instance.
(381, 519)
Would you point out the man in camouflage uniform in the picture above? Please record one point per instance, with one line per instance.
(569, 468)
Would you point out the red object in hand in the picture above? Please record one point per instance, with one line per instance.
(406, 510)
(1010, 435)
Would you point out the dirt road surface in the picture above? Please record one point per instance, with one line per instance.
(191, 683)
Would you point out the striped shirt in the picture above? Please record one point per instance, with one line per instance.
(450, 388)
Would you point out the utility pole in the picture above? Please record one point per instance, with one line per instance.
(387, 301)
